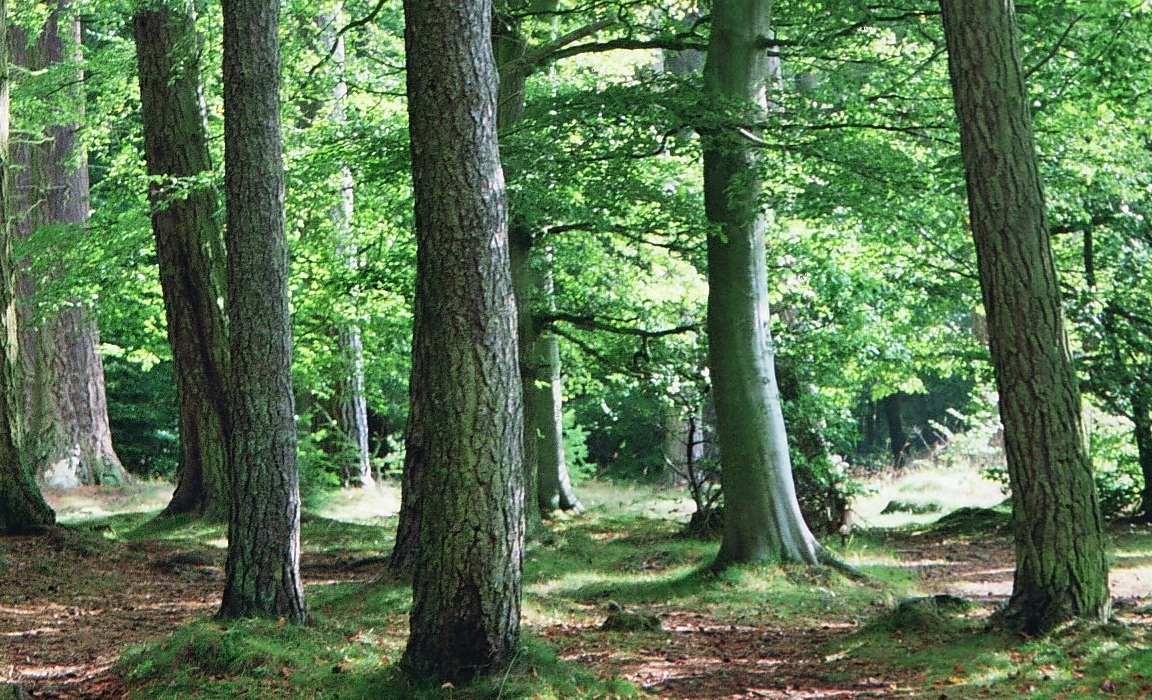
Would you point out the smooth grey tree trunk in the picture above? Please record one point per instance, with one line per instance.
(353, 405)
(762, 519)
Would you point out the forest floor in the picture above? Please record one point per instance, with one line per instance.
(73, 600)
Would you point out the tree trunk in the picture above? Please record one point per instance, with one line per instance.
(70, 435)
(1061, 572)
(262, 573)
(762, 519)
(189, 248)
(1142, 427)
(353, 408)
(520, 265)
(547, 427)
(22, 506)
(465, 618)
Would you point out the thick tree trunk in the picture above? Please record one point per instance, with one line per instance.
(762, 519)
(465, 617)
(1061, 572)
(189, 249)
(262, 573)
(70, 436)
(22, 507)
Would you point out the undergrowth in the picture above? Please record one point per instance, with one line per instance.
(615, 558)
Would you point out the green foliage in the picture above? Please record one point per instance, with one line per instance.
(143, 415)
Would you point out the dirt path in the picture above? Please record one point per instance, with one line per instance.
(70, 603)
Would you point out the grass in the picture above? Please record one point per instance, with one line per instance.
(628, 549)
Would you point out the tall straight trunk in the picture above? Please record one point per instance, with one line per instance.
(22, 506)
(353, 404)
(262, 572)
(465, 618)
(189, 248)
(547, 425)
(70, 435)
(520, 265)
(762, 519)
(1061, 572)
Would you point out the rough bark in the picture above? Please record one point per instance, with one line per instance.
(762, 519)
(1061, 572)
(466, 601)
(69, 432)
(189, 248)
(262, 572)
(22, 506)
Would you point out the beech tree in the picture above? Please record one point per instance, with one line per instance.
(262, 572)
(465, 382)
(189, 247)
(762, 519)
(1061, 571)
(22, 506)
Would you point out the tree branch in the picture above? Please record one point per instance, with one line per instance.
(612, 326)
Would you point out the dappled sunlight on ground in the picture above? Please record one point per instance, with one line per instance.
(922, 484)
(371, 505)
(89, 502)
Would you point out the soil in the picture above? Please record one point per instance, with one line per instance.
(71, 602)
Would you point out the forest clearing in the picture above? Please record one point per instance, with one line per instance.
(75, 600)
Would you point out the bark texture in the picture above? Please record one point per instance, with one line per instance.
(22, 506)
(520, 256)
(1061, 571)
(262, 573)
(189, 248)
(1142, 428)
(465, 616)
(69, 436)
(762, 519)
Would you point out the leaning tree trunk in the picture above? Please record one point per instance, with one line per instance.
(189, 248)
(1061, 572)
(465, 617)
(70, 435)
(262, 572)
(762, 519)
(22, 506)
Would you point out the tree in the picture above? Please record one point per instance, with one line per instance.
(1061, 572)
(69, 433)
(262, 572)
(22, 506)
(465, 616)
(762, 519)
(189, 247)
